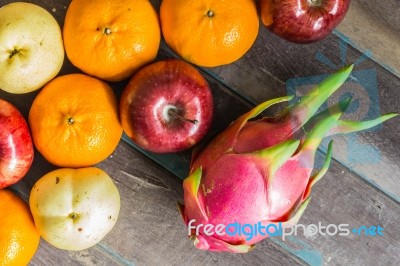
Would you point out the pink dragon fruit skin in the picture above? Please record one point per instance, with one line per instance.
(259, 171)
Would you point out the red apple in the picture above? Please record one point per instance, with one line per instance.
(16, 148)
(302, 21)
(166, 107)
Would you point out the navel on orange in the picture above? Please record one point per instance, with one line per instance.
(74, 121)
(19, 238)
(111, 39)
(209, 32)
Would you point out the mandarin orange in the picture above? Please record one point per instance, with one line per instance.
(111, 39)
(74, 121)
(209, 32)
(19, 238)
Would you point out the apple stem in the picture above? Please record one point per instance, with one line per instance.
(173, 113)
(314, 2)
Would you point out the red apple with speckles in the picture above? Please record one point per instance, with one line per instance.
(166, 107)
(16, 148)
(302, 21)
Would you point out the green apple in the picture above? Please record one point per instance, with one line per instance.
(31, 47)
(74, 209)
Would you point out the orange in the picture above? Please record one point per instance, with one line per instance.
(19, 238)
(74, 121)
(111, 39)
(209, 32)
(266, 12)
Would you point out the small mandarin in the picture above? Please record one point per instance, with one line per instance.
(209, 33)
(19, 238)
(74, 121)
(111, 39)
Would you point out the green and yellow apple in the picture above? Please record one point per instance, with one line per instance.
(74, 209)
(31, 47)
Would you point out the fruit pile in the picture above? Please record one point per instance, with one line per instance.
(76, 120)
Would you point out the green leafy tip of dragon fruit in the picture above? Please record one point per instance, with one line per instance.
(261, 170)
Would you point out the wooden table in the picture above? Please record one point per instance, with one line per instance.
(361, 188)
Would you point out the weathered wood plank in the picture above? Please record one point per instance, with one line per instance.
(48, 255)
(375, 26)
(149, 230)
(342, 198)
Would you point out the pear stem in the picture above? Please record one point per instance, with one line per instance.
(13, 53)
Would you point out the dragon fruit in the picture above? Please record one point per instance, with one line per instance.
(260, 172)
